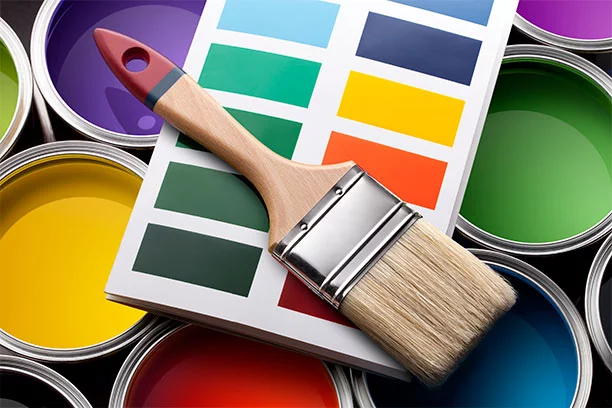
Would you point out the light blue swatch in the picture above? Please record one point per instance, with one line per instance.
(303, 21)
(475, 11)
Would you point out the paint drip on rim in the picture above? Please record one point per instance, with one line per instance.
(576, 19)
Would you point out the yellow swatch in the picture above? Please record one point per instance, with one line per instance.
(401, 108)
(61, 223)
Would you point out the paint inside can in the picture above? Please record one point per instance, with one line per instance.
(62, 221)
(528, 359)
(195, 367)
(20, 390)
(81, 76)
(576, 19)
(543, 169)
(9, 89)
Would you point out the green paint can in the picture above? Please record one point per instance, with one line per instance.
(541, 182)
(15, 88)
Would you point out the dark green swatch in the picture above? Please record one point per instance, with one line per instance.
(198, 259)
(212, 194)
(280, 135)
(260, 74)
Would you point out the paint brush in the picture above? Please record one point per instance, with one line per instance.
(419, 295)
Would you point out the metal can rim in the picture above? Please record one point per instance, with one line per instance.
(592, 234)
(549, 38)
(43, 79)
(166, 329)
(560, 300)
(96, 151)
(25, 87)
(591, 301)
(48, 376)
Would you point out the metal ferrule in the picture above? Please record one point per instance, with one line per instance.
(344, 235)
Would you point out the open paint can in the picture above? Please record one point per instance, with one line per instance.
(15, 88)
(598, 302)
(76, 82)
(65, 206)
(537, 355)
(576, 25)
(541, 182)
(24, 383)
(189, 366)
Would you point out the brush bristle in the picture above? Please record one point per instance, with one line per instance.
(428, 302)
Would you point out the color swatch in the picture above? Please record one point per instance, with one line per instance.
(269, 76)
(401, 108)
(305, 21)
(398, 90)
(449, 56)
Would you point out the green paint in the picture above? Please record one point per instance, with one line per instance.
(9, 89)
(280, 135)
(260, 74)
(212, 194)
(198, 259)
(543, 170)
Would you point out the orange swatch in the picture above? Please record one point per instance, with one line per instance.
(414, 178)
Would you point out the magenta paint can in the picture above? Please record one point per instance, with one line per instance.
(576, 25)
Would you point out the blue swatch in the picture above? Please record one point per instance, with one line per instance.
(528, 359)
(475, 11)
(303, 21)
(419, 48)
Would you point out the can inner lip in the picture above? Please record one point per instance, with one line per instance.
(592, 301)
(46, 375)
(59, 151)
(162, 332)
(599, 78)
(554, 295)
(25, 87)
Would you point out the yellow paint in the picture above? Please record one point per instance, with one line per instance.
(61, 223)
(401, 108)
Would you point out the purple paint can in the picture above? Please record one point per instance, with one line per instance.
(76, 82)
(577, 25)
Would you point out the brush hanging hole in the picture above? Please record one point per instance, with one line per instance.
(136, 59)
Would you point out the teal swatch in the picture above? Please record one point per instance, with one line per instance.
(304, 21)
(198, 259)
(212, 194)
(260, 74)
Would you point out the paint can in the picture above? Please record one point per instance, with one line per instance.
(65, 206)
(15, 87)
(598, 302)
(76, 82)
(571, 24)
(537, 355)
(29, 384)
(541, 181)
(186, 365)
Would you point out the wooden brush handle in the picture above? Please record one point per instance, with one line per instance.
(289, 189)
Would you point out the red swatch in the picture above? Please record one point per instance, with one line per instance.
(196, 367)
(414, 178)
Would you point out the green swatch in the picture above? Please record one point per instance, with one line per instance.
(212, 194)
(9, 89)
(280, 135)
(543, 170)
(198, 259)
(260, 74)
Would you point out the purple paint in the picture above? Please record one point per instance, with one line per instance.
(82, 78)
(576, 19)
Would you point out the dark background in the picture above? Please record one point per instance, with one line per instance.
(95, 379)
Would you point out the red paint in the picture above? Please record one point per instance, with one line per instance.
(196, 367)
(117, 49)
